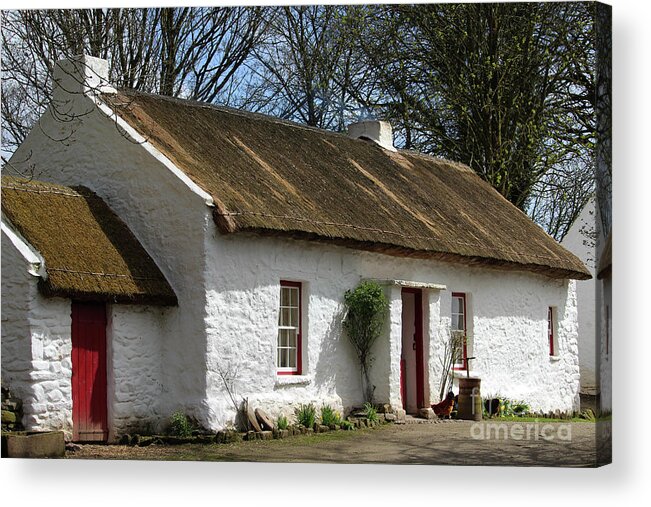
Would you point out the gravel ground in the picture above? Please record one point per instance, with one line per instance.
(448, 443)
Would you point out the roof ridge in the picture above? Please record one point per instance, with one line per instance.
(288, 123)
(236, 112)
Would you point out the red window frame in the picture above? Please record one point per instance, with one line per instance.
(299, 334)
(550, 330)
(462, 365)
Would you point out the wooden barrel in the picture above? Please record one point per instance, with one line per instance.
(470, 406)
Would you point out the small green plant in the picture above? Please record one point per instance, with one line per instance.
(329, 416)
(588, 415)
(282, 422)
(510, 408)
(347, 426)
(370, 411)
(306, 415)
(180, 425)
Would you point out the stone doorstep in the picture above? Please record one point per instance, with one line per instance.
(410, 419)
(426, 413)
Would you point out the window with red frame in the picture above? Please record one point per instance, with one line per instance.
(459, 329)
(289, 346)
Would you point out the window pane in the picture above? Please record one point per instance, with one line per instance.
(293, 321)
(279, 357)
(294, 296)
(282, 337)
(460, 322)
(456, 307)
(292, 358)
(284, 296)
(292, 338)
(285, 317)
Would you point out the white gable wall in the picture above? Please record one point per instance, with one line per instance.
(169, 220)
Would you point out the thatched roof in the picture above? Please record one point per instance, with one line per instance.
(278, 178)
(90, 254)
(605, 267)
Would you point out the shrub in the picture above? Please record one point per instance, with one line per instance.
(306, 415)
(180, 425)
(329, 416)
(371, 412)
(366, 309)
(282, 423)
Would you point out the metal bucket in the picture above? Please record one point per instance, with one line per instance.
(470, 406)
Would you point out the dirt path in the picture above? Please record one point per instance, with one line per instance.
(446, 443)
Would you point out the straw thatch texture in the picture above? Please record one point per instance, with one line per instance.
(274, 177)
(90, 254)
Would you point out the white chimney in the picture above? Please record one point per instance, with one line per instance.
(80, 75)
(380, 132)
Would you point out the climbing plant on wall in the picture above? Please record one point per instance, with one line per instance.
(366, 309)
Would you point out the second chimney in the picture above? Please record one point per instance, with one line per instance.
(380, 132)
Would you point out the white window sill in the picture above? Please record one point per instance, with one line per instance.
(553, 359)
(292, 380)
(462, 373)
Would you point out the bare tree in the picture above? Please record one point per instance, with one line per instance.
(189, 52)
(304, 67)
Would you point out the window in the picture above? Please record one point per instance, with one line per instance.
(459, 330)
(288, 346)
(551, 331)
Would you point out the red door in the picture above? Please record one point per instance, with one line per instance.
(420, 373)
(420, 353)
(89, 372)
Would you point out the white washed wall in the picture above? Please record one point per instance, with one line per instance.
(36, 347)
(18, 288)
(135, 376)
(579, 242)
(508, 310)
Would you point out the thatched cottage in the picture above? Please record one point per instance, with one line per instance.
(249, 231)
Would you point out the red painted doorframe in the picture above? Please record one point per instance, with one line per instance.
(89, 412)
(418, 337)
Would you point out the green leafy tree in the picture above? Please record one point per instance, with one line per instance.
(506, 88)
